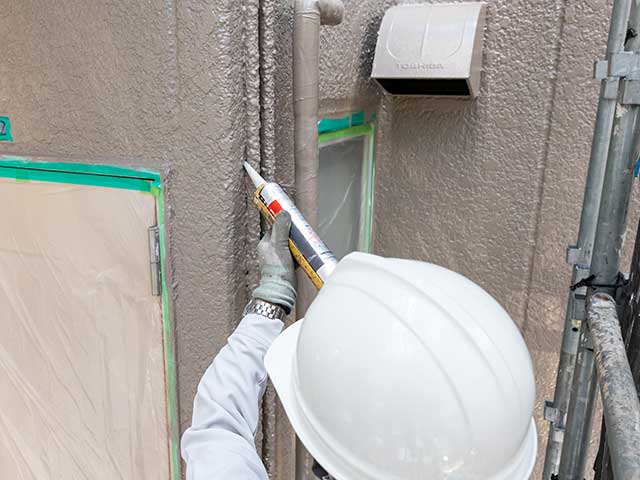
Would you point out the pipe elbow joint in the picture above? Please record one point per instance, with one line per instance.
(331, 12)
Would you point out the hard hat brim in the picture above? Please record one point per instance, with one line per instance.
(279, 362)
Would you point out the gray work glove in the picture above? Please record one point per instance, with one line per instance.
(277, 276)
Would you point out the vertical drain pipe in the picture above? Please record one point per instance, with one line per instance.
(308, 16)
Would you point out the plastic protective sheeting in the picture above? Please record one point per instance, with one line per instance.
(82, 372)
(341, 194)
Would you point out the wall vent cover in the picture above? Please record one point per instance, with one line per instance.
(431, 50)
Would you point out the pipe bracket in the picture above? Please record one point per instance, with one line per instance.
(552, 414)
(574, 254)
(618, 65)
(631, 92)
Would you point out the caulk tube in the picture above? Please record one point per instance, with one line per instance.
(307, 248)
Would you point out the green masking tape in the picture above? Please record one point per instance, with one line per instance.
(5, 130)
(333, 124)
(80, 174)
(346, 132)
(170, 359)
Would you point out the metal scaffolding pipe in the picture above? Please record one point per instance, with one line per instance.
(580, 415)
(617, 388)
(607, 246)
(584, 246)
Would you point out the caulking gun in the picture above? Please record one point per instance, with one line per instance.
(307, 248)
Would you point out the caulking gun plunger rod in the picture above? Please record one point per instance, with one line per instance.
(307, 248)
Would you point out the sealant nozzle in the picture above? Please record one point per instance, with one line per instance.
(255, 176)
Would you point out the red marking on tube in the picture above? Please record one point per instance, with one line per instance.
(274, 207)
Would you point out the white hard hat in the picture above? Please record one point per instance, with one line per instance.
(406, 370)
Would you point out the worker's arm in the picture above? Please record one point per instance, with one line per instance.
(220, 442)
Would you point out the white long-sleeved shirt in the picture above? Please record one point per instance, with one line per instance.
(219, 445)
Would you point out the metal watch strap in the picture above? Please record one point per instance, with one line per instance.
(266, 309)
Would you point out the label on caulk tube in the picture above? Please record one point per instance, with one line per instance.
(307, 247)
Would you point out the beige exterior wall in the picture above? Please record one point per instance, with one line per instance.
(490, 188)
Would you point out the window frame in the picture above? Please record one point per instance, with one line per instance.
(328, 136)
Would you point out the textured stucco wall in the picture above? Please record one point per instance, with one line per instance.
(157, 84)
(490, 188)
(493, 189)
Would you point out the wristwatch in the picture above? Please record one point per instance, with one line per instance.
(266, 309)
